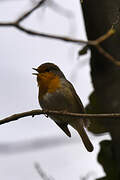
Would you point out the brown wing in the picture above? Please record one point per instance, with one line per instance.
(80, 129)
(76, 97)
(82, 110)
(64, 127)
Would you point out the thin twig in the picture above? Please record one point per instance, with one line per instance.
(51, 36)
(62, 38)
(2, 24)
(42, 174)
(105, 36)
(107, 55)
(62, 113)
(25, 15)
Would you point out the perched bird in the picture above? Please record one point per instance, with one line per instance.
(57, 93)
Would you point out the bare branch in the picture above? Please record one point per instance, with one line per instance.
(94, 43)
(51, 36)
(62, 38)
(107, 55)
(42, 174)
(25, 15)
(62, 113)
(7, 24)
(105, 36)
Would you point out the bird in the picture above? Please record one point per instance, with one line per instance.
(57, 93)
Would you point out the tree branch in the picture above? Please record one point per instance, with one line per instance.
(25, 15)
(107, 55)
(105, 36)
(94, 43)
(51, 36)
(32, 113)
(41, 173)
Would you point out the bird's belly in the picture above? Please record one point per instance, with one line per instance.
(57, 101)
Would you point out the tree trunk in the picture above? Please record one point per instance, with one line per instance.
(99, 16)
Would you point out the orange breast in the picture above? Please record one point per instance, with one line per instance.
(48, 83)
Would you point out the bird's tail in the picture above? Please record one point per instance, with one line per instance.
(80, 129)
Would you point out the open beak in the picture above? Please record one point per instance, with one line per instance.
(35, 70)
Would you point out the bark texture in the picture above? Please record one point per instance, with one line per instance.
(99, 16)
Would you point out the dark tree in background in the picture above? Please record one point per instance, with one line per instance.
(99, 16)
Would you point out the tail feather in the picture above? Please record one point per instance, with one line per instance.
(86, 141)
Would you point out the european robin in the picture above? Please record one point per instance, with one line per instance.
(57, 93)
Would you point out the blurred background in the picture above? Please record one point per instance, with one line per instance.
(38, 140)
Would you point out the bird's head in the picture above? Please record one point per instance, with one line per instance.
(48, 68)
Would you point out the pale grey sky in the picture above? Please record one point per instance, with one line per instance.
(18, 54)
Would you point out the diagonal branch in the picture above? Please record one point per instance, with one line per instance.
(62, 113)
(107, 55)
(25, 15)
(41, 173)
(62, 38)
(51, 36)
(105, 36)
